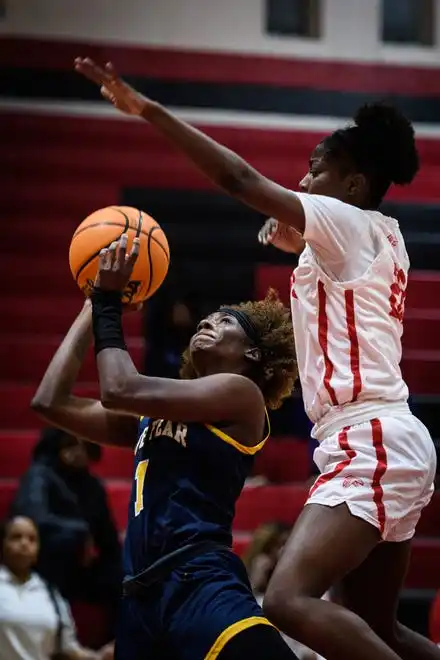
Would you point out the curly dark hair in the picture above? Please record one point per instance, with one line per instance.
(277, 370)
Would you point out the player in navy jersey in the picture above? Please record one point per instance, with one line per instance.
(186, 593)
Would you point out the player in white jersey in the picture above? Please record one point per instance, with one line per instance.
(347, 312)
(377, 460)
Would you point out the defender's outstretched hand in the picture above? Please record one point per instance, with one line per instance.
(268, 232)
(281, 236)
(113, 88)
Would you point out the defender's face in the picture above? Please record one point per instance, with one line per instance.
(324, 177)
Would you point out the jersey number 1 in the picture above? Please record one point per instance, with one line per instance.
(139, 478)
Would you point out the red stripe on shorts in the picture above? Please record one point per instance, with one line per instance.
(379, 472)
(323, 341)
(343, 443)
(354, 343)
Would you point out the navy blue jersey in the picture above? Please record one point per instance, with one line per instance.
(187, 480)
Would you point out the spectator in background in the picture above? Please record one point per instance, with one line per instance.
(168, 337)
(80, 550)
(35, 622)
(260, 561)
(169, 326)
(263, 553)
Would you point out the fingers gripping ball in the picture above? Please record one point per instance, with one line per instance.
(107, 225)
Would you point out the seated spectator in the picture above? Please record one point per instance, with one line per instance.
(35, 622)
(168, 336)
(260, 560)
(263, 554)
(169, 324)
(80, 550)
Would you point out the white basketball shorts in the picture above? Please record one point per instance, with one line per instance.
(383, 470)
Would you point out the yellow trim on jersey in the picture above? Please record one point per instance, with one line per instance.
(141, 418)
(268, 425)
(250, 451)
(233, 630)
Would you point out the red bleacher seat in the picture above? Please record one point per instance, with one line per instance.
(429, 523)
(284, 460)
(116, 463)
(16, 398)
(423, 570)
(8, 488)
(269, 503)
(52, 312)
(119, 495)
(92, 624)
(415, 320)
(420, 369)
(16, 450)
(25, 358)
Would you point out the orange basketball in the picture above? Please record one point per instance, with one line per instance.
(103, 227)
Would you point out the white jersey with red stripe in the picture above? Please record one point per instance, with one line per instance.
(347, 297)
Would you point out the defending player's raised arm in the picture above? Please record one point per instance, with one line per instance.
(224, 167)
(82, 417)
(227, 169)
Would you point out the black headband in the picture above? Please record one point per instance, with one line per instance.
(245, 322)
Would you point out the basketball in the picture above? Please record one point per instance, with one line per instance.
(106, 225)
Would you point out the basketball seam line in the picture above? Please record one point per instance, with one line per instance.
(116, 224)
(150, 261)
(96, 254)
(139, 229)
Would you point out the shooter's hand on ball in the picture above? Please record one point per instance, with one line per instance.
(113, 88)
(115, 266)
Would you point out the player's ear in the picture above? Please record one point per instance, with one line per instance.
(357, 184)
(268, 373)
(253, 354)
